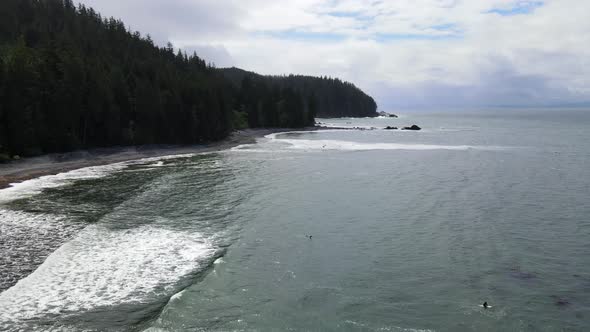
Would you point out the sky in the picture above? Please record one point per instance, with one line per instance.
(407, 54)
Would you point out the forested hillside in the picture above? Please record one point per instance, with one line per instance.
(71, 79)
(333, 97)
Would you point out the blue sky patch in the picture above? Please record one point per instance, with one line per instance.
(303, 35)
(345, 14)
(359, 16)
(521, 8)
(445, 27)
(385, 37)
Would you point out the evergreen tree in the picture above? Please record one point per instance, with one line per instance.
(71, 79)
(333, 97)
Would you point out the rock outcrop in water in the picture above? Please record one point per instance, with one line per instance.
(413, 127)
(390, 128)
(388, 115)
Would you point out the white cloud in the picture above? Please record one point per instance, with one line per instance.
(405, 52)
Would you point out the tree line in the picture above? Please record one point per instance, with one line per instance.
(333, 97)
(71, 79)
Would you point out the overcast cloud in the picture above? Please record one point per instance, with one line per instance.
(406, 53)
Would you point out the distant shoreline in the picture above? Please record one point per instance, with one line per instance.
(51, 164)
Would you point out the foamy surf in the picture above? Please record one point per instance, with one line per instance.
(35, 186)
(103, 267)
(278, 143)
(275, 136)
(356, 146)
(26, 239)
(160, 159)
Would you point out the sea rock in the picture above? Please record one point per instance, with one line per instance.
(390, 128)
(388, 115)
(413, 127)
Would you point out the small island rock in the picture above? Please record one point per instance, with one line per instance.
(413, 127)
(387, 115)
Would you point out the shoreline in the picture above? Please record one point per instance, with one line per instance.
(55, 163)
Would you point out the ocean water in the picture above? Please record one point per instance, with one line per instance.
(410, 231)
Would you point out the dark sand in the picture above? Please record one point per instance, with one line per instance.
(29, 168)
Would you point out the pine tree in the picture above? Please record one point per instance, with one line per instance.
(71, 79)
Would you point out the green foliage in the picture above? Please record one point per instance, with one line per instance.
(331, 97)
(267, 104)
(240, 120)
(71, 79)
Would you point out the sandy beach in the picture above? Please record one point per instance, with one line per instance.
(50, 164)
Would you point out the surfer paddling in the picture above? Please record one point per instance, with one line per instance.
(485, 305)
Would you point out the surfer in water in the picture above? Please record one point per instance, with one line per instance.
(485, 305)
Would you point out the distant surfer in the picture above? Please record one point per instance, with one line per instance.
(485, 305)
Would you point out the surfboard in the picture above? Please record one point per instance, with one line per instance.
(489, 306)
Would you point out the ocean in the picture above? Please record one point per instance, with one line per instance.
(328, 230)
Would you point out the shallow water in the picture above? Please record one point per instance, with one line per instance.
(411, 231)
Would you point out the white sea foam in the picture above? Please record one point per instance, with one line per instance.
(311, 145)
(159, 159)
(18, 221)
(26, 239)
(254, 148)
(35, 186)
(403, 329)
(458, 129)
(357, 146)
(347, 126)
(278, 144)
(155, 329)
(176, 296)
(105, 267)
(275, 136)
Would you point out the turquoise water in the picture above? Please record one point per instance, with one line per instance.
(411, 231)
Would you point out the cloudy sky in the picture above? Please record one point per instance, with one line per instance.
(405, 53)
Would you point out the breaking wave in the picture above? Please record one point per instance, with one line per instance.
(103, 267)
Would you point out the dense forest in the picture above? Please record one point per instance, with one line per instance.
(333, 97)
(71, 79)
